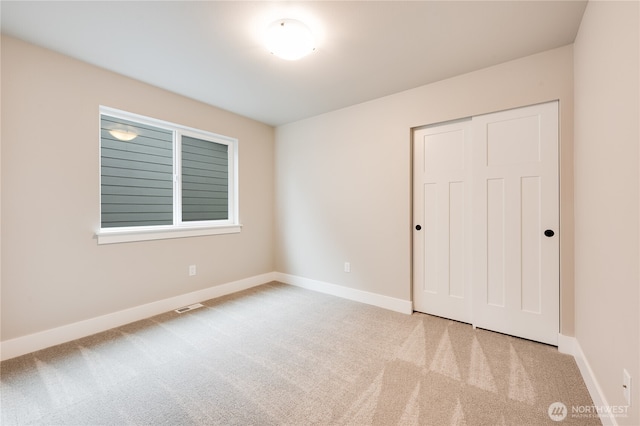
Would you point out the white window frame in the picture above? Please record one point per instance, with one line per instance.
(178, 229)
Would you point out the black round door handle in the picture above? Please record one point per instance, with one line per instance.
(418, 227)
(549, 233)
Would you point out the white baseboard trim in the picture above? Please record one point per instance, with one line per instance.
(571, 346)
(386, 302)
(597, 395)
(566, 344)
(55, 336)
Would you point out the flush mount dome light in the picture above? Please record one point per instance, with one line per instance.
(289, 39)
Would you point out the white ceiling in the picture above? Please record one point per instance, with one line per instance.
(210, 50)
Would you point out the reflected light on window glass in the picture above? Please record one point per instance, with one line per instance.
(123, 135)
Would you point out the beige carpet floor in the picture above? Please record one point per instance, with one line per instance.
(281, 355)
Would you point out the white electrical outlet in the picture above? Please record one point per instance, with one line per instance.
(626, 386)
(347, 267)
(192, 270)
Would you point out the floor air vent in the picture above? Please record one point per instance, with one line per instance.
(189, 308)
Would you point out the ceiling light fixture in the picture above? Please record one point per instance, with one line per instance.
(289, 39)
(123, 135)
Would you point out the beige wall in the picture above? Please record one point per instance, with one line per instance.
(607, 195)
(343, 180)
(343, 187)
(53, 272)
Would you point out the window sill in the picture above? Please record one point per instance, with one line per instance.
(127, 236)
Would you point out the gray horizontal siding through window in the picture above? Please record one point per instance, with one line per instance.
(136, 175)
(205, 180)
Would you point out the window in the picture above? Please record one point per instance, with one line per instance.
(163, 180)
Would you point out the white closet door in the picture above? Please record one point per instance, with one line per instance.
(442, 217)
(515, 202)
(485, 195)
